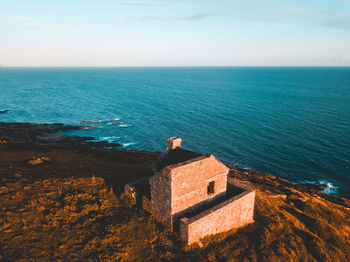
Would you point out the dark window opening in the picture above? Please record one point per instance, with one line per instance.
(210, 188)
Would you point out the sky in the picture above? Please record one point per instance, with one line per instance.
(175, 33)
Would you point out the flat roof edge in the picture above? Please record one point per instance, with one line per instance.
(218, 206)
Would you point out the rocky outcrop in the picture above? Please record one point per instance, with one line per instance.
(46, 134)
(55, 209)
(89, 121)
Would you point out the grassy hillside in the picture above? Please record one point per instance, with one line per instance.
(64, 203)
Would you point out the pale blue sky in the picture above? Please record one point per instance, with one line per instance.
(174, 33)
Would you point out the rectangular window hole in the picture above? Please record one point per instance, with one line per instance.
(210, 188)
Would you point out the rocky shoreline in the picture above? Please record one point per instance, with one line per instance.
(47, 134)
(61, 199)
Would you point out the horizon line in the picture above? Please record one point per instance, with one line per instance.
(167, 66)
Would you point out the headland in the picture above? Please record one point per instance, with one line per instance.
(61, 199)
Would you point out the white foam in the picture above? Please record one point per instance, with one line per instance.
(109, 119)
(105, 139)
(109, 137)
(128, 144)
(124, 125)
(331, 189)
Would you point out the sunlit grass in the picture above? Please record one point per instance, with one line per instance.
(78, 218)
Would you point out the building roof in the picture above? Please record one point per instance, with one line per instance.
(172, 157)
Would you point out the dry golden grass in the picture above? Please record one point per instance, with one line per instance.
(52, 212)
(72, 219)
(39, 160)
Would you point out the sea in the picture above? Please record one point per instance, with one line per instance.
(292, 122)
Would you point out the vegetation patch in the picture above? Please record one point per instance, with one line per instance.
(72, 209)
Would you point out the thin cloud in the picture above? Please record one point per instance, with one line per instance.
(290, 12)
(345, 25)
(32, 25)
(126, 32)
(130, 4)
(198, 16)
(335, 20)
(40, 25)
(26, 22)
(19, 18)
(22, 22)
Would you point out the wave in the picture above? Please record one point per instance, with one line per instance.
(95, 120)
(128, 144)
(330, 189)
(109, 139)
(111, 119)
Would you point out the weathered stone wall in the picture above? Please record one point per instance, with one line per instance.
(147, 205)
(161, 195)
(189, 182)
(233, 213)
(174, 142)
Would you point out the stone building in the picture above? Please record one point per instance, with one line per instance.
(192, 194)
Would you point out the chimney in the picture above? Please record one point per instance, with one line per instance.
(174, 142)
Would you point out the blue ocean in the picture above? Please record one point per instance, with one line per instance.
(290, 122)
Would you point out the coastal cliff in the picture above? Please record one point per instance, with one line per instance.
(61, 200)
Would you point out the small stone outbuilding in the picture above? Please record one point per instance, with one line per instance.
(191, 193)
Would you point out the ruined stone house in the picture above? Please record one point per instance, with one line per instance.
(191, 193)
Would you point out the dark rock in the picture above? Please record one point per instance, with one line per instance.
(310, 186)
(89, 121)
(47, 134)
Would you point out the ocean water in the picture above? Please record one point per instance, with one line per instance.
(291, 122)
